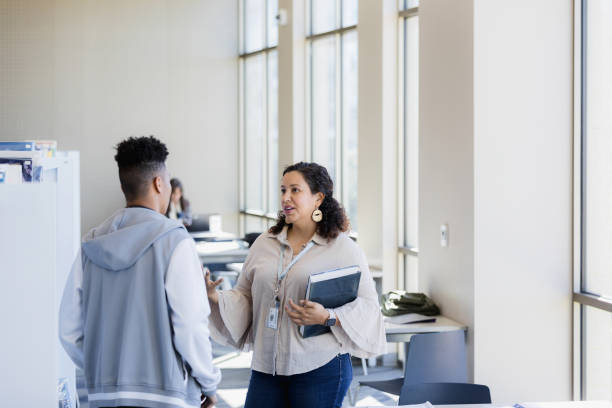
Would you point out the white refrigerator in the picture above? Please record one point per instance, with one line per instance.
(39, 238)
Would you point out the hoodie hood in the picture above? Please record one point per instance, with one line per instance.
(124, 237)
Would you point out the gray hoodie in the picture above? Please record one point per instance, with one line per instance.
(129, 356)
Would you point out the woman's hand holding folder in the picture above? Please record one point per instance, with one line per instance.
(308, 313)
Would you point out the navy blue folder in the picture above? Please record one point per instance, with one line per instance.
(332, 289)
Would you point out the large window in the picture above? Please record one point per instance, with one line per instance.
(409, 144)
(259, 114)
(332, 95)
(593, 217)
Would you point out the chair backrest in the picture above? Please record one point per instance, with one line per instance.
(436, 357)
(444, 394)
(251, 237)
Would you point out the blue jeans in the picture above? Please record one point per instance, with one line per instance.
(324, 387)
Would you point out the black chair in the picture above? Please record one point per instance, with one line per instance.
(251, 237)
(430, 357)
(445, 394)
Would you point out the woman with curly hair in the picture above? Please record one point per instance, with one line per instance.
(267, 306)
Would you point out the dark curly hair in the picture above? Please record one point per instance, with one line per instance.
(334, 218)
(140, 159)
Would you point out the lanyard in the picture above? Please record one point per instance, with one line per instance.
(282, 273)
(272, 319)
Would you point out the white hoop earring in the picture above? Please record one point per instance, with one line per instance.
(317, 215)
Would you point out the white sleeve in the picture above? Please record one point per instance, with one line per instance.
(189, 311)
(71, 314)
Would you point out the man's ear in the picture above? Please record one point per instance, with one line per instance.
(157, 184)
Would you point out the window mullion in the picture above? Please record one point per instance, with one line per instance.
(310, 105)
(265, 164)
(339, 116)
(243, 136)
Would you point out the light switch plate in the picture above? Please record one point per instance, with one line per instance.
(281, 17)
(444, 235)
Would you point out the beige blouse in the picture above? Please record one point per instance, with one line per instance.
(239, 317)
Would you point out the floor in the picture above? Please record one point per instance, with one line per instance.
(236, 371)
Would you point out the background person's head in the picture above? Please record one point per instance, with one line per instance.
(306, 187)
(142, 172)
(177, 191)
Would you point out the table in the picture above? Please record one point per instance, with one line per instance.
(559, 404)
(222, 252)
(401, 333)
(212, 236)
(235, 266)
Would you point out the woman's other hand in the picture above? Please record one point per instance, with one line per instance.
(307, 312)
(211, 287)
(209, 402)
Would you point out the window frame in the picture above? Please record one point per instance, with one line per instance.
(340, 179)
(406, 250)
(581, 297)
(265, 215)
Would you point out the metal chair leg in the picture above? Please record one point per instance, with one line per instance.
(353, 396)
(364, 365)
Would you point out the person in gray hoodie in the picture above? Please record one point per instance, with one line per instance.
(134, 315)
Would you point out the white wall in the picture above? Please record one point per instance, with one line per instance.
(523, 198)
(446, 179)
(90, 74)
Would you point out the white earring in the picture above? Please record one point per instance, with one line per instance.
(317, 215)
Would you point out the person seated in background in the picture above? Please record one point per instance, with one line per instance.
(179, 208)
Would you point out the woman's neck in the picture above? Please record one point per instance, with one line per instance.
(302, 232)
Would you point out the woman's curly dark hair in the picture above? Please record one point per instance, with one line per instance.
(334, 218)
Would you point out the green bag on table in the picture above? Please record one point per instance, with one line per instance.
(398, 302)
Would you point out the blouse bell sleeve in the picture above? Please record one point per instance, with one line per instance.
(231, 318)
(362, 329)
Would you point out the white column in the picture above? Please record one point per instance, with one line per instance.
(377, 197)
(523, 198)
(446, 177)
(495, 166)
(291, 84)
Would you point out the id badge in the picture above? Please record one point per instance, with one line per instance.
(272, 320)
